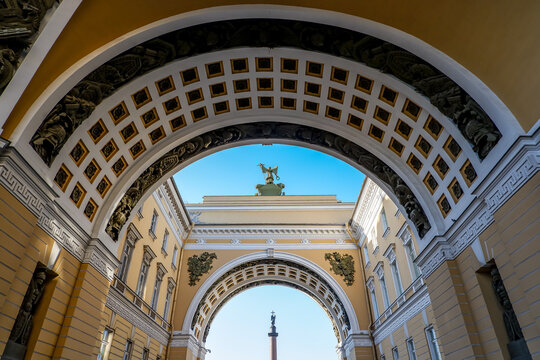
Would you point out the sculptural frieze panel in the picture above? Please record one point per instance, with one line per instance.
(77, 105)
(19, 22)
(267, 130)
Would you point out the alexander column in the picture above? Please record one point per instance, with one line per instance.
(273, 335)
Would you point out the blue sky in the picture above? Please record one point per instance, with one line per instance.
(235, 172)
(239, 331)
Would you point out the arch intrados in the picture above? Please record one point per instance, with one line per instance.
(216, 276)
(494, 107)
(340, 337)
(111, 205)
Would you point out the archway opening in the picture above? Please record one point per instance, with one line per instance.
(240, 328)
(235, 172)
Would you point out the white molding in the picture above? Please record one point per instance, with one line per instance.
(101, 258)
(269, 243)
(129, 311)
(354, 340)
(415, 304)
(185, 340)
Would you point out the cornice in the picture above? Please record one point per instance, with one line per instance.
(412, 306)
(518, 166)
(101, 258)
(129, 311)
(270, 244)
(32, 192)
(275, 231)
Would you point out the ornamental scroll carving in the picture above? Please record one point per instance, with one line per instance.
(267, 130)
(342, 265)
(198, 265)
(77, 105)
(19, 22)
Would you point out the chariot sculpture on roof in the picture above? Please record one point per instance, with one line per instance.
(269, 188)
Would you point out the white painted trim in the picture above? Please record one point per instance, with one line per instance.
(274, 245)
(347, 305)
(415, 304)
(39, 49)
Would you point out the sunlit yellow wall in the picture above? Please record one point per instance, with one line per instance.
(143, 226)
(66, 317)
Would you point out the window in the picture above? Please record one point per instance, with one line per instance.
(395, 353)
(384, 221)
(374, 303)
(165, 241)
(127, 350)
(411, 349)
(145, 354)
(155, 293)
(411, 255)
(125, 261)
(167, 304)
(397, 278)
(153, 224)
(132, 236)
(384, 292)
(105, 344)
(174, 256)
(432, 344)
(366, 254)
(142, 279)
(139, 213)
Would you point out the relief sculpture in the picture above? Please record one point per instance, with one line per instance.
(446, 95)
(19, 22)
(267, 130)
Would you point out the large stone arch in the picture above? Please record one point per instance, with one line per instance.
(274, 268)
(440, 197)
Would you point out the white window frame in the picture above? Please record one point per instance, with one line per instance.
(128, 350)
(397, 278)
(155, 293)
(395, 353)
(105, 347)
(174, 257)
(153, 224)
(375, 306)
(384, 292)
(366, 255)
(433, 345)
(141, 281)
(165, 242)
(411, 349)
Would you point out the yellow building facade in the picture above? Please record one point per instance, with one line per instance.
(102, 102)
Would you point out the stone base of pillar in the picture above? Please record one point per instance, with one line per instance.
(186, 347)
(356, 347)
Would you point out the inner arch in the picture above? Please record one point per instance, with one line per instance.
(240, 328)
(264, 271)
(450, 99)
(269, 130)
